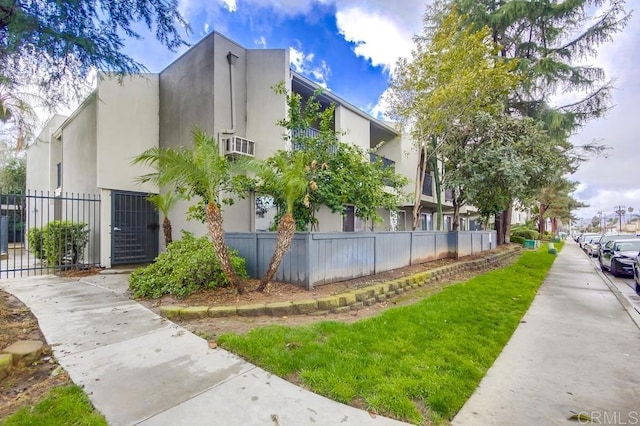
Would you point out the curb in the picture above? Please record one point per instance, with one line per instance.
(343, 302)
(631, 310)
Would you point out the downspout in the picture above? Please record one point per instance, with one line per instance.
(231, 59)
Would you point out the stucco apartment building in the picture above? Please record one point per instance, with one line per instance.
(223, 89)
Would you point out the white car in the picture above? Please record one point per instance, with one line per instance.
(592, 245)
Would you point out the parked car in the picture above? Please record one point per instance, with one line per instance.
(583, 237)
(636, 273)
(610, 237)
(592, 245)
(619, 256)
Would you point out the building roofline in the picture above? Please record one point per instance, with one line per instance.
(202, 40)
(340, 101)
(58, 132)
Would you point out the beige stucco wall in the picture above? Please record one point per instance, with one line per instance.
(79, 151)
(43, 156)
(355, 127)
(266, 68)
(38, 171)
(79, 166)
(127, 125)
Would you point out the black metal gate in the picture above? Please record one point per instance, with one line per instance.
(41, 233)
(134, 228)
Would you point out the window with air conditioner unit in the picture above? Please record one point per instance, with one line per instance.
(236, 145)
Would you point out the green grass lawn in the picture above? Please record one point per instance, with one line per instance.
(65, 405)
(415, 363)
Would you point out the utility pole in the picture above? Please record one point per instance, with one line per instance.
(600, 222)
(620, 211)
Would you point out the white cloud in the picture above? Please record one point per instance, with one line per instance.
(230, 5)
(615, 180)
(304, 64)
(377, 37)
(262, 42)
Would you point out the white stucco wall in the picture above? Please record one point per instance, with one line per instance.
(127, 125)
(355, 127)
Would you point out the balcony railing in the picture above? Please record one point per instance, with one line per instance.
(309, 132)
(427, 186)
(297, 135)
(386, 163)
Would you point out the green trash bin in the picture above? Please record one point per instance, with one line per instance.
(529, 244)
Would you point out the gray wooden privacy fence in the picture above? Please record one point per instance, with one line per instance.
(317, 258)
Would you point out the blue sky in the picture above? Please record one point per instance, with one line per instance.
(320, 49)
(351, 46)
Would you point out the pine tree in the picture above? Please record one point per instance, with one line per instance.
(551, 39)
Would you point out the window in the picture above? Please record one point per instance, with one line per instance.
(350, 222)
(397, 220)
(427, 186)
(58, 175)
(426, 223)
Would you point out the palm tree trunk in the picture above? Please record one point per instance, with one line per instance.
(166, 229)
(216, 232)
(286, 231)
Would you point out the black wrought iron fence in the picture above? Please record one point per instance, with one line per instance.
(42, 233)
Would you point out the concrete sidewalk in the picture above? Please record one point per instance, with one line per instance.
(577, 350)
(139, 368)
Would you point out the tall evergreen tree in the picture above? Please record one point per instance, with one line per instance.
(54, 45)
(550, 39)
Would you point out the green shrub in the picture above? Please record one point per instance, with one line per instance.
(64, 241)
(189, 264)
(516, 239)
(527, 234)
(35, 237)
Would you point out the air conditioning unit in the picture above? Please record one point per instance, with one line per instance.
(236, 145)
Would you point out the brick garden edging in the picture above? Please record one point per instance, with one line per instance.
(343, 302)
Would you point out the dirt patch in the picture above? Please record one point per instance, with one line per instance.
(25, 384)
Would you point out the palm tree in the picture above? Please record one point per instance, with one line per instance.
(165, 202)
(199, 171)
(16, 109)
(285, 176)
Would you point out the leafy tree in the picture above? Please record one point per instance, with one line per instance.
(452, 77)
(318, 171)
(344, 173)
(164, 202)
(13, 176)
(200, 171)
(555, 202)
(16, 114)
(502, 158)
(551, 40)
(54, 45)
